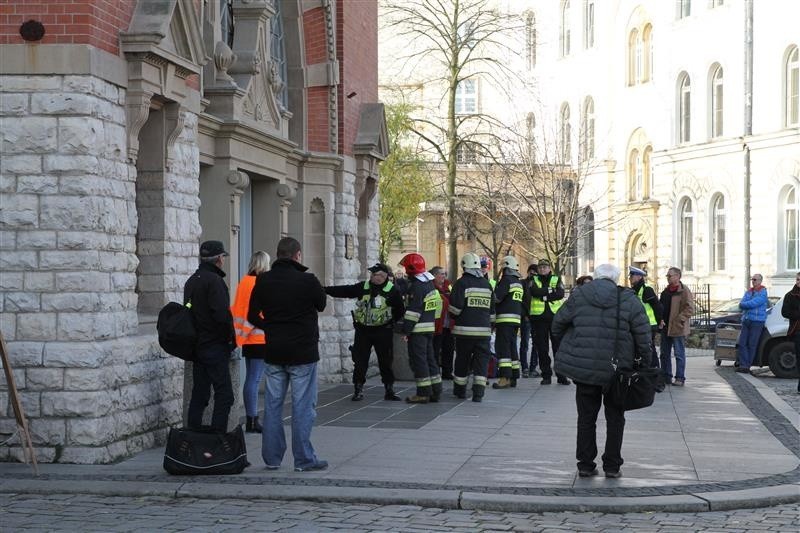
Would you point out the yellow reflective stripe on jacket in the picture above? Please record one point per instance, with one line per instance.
(413, 316)
(507, 318)
(472, 331)
(424, 327)
(651, 315)
(373, 316)
(537, 304)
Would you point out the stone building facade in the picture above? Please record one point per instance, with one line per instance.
(130, 132)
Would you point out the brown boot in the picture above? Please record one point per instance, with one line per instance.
(417, 399)
(502, 383)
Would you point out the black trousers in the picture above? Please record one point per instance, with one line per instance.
(654, 361)
(542, 338)
(210, 370)
(472, 354)
(505, 346)
(379, 337)
(588, 399)
(443, 347)
(424, 364)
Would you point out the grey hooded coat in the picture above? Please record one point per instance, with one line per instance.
(586, 324)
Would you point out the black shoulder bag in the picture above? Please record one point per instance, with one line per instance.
(632, 388)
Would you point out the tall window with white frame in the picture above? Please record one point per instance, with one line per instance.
(466, 97)
(718, 233)
(684, 108)
(684, 8)
(647, 53)
(565, 130)
(790, 232)
(633, 43)
(686, 235)
(633, 175)
(587, 130)
(792, 88)
(564, 30)
(530, 40)
(716, 102)
(588, 24)
(647, 172)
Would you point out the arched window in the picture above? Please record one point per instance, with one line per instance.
(633, 40)
(588, 24)
(716, 103)
(587, 131)
(564, 33)
(792, 90)
(718, 233)
(565, 134)
(684, 108)
(634, 174)
(530, 41)
(790, 232)
(647, 53)
(647, 172)
(685, 234)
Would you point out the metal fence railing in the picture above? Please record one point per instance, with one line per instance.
(701, 318)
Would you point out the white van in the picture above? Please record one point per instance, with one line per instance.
(774, 348)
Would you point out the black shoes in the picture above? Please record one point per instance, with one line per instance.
(358, 392)
(251, 425)
(389, 395)
(546, 381)
(587, 473)
(563, 381)
(613, 474)
(319, 465)
(741, 370)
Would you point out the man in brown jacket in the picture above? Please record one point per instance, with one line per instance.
(677, 303)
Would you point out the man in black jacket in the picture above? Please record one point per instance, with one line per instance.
(379, 306)
(288, 298)
(205, 291)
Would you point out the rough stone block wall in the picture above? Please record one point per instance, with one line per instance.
(94, 387)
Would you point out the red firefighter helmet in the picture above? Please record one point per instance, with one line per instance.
(413, 263)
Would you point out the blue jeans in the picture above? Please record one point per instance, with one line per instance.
(304, 411)
(748, 342)
(255, 371)
(667, 345)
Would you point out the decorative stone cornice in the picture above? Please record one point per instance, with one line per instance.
(238, 180)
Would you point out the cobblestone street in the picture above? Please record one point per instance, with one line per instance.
(91, 513)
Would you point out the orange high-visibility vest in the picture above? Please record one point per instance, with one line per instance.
(246, 333)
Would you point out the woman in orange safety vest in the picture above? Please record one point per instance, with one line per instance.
(251, 339)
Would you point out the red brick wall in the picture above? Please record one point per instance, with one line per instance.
(357, 52)
(317, 121)
(93, 22)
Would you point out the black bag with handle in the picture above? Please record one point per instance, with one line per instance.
(176, 331)
(630, 388)
(205, 452)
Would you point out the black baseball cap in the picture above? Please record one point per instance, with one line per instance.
(212, 249)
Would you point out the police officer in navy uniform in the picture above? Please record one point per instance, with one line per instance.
(379, 306)
(652, 307)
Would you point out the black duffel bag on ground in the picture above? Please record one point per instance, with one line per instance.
(634, 388)
(206, 452)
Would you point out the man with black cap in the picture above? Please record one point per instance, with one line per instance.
(546, 294)
(379, 306)
(207, 295)
(652, 307)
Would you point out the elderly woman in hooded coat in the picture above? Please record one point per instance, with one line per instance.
(590, 335)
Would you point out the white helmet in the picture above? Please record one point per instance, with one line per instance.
(470, 260)
(510, 261)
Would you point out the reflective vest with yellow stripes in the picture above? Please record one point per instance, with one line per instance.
(651, 316)
(246, 333)
(373, 311)
(537, 304)
(510, 309)
(472, 303)
(424, 307)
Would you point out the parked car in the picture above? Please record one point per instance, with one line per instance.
(774, 348)
(725, 313)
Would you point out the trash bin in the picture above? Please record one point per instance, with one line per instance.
(726, 342)
(400, 363)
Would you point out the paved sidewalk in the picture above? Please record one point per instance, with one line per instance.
(697, 448)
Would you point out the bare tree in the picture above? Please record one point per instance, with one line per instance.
(456, 42)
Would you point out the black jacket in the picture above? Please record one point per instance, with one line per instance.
(586, 324)
(356, 290)
(508, 297)
(289, 299)
(211, 309)
(791, 310)
(649, 296)
(472, 305)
